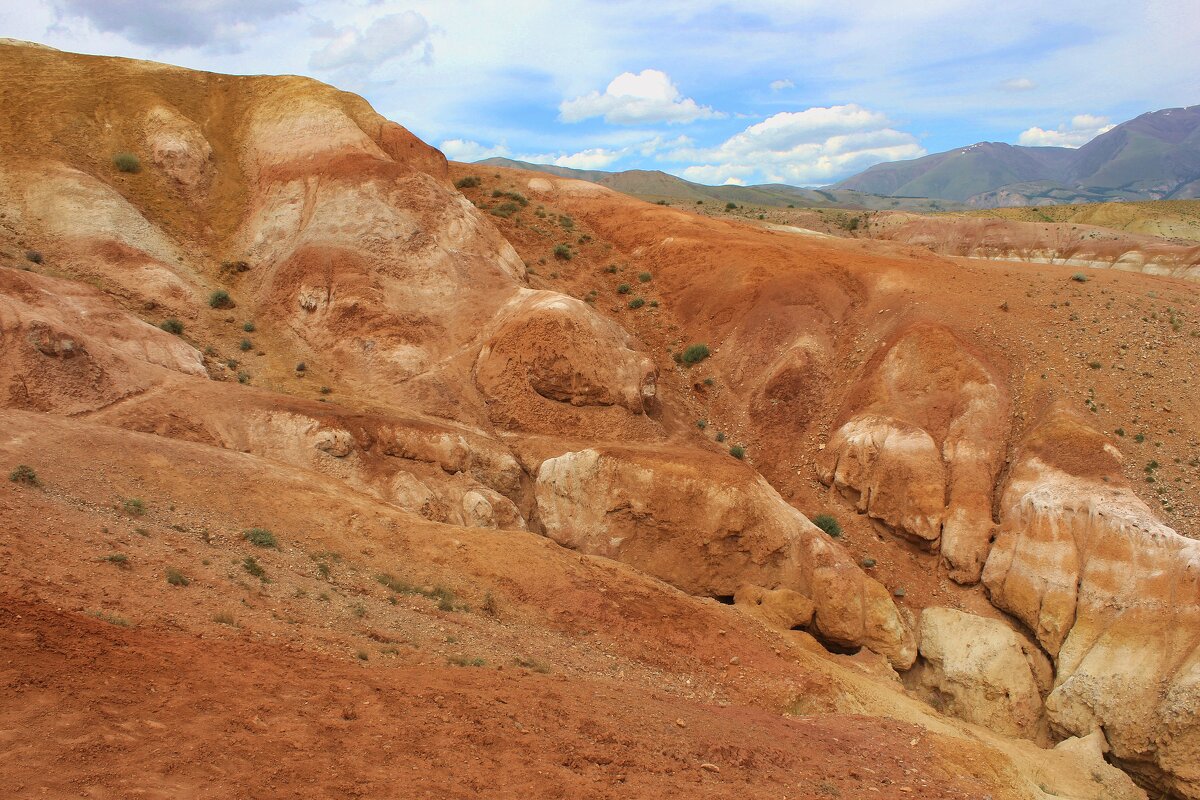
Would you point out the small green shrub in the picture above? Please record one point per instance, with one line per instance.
(516, 197)
(737, 451)
(701, 424)
(720, 437)
(33, 256)
(24, 474)
(730, 206)
(127, 162)
(245, 345)
(532, 664)
(134, 507)
(243, 377)
(1119, 431)
(177, 578)
(260, 537)
(248, 327)
(326, 390)
(829, 524)
(119, 559)
(463, 661)
(469, 182)
(394, 584)
(611, 269)
(566, 222)
(708, 381)
(695, 353)
(172, 325)
(624, 288)
(220, 299)
(505, 209)
(1079, 277)
(251, 565)
(111, 619)
(224, 618)
(637, 302)
(645, 277)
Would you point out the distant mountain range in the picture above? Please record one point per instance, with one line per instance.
(1153, 157)
(654, 185)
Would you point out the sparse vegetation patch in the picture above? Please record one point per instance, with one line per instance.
(260, 537)
(829, 524)
(127, 162)
(24, 474)
(695, 353)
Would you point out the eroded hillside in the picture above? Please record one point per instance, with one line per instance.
(443, 476)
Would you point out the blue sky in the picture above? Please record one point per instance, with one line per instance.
(802, 92)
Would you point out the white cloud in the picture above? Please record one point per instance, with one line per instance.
(629, 99)
(817, 145)
(591, 158)
(387, 38)
(782, 84)
(468, 150)
(1018, 85)
(1081, 130)
(213, 24)
(731, 181)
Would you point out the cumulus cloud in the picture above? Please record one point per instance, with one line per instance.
(468, 150)
(780, 85)
(387, 38)
(216, 24)
(1018, 85)
(817, 145)
(1079, 131)
(649, 96)
(591, 158)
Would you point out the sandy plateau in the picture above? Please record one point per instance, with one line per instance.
(341, 470)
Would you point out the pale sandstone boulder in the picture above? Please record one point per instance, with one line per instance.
(920, 448)
(708, 525)
(92, 231)
(561, 349)
(780, 608)
(980, 670)
(1111, 593)
(64, 347)
(178, 148)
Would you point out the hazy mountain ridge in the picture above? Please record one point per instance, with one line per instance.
(658, 185)
(1155, 156)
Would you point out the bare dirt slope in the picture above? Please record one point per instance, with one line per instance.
(1168, 219)
(301, 441)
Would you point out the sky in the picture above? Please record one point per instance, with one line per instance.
(805, 92)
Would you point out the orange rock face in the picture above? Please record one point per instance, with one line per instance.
(483, 466)
(922, 452)
(708, 528)
(1113, 596)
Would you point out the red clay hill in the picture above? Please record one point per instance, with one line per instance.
(331, 468)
